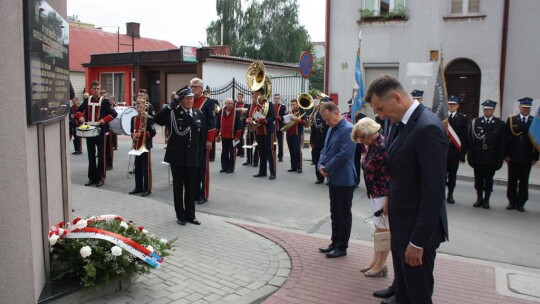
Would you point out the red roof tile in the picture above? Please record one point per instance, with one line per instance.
(84, 42)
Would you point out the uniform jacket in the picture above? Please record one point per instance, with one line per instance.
(337, 156)
(150, 129)
(461, 126)
(319, 128)
(182, 149)
(417, 161)
(102, 111)
(280, 110)
(206, 106)
(519, 147)
(229, 126)
(266, 124)
(297, 128)
(487, 142)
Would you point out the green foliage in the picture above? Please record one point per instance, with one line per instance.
(266, 29)
(102, 266)
(316, 79)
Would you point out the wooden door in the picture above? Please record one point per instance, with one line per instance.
(463, 79)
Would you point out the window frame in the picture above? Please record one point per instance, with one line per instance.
(118, 93)
(465, 8)
(377, 6)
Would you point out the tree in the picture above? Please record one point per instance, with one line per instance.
(316, 79)
(267, 29)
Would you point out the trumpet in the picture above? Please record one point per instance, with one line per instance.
(305, 102)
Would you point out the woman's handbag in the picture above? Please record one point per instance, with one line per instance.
(381, 241)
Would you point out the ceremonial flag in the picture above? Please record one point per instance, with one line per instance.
(534, 130)
(440, 97)
(358, 94)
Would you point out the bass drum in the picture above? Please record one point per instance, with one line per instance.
(121, 125)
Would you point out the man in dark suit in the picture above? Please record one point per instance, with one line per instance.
(486, 151)
(183, 151)
(521, 155)
(417, 213)
(457, 131)
(96, 110)
(336, 163)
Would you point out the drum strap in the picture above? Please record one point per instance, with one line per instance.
(92, 108)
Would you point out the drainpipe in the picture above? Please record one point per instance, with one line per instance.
(327, 46)
(504, 45)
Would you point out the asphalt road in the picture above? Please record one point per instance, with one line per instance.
(294, 201)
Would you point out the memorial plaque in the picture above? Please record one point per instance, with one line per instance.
(46, 45)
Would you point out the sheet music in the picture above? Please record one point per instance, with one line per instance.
(287, 118)
(247, 146)
(135, 152)
(235, 142)
(257, 115)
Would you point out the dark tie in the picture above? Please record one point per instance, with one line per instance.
(524, 119)
(399, 128)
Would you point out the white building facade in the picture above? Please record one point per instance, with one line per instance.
(480, 59)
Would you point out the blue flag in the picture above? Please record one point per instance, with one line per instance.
(358, 87)
(534, 131)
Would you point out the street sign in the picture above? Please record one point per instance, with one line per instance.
(306, 64)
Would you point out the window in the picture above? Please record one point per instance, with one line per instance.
(465, 7)
(384, 7)
(114, 84)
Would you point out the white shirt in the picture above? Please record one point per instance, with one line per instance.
(409, 112)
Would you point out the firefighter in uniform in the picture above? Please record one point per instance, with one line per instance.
(280, 111)
(142, 130)
(229, 129)
(319, 128)
(486, 152)
(521, 155)
(457, 129)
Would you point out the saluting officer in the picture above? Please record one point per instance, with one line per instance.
(457, 144)
(486, 153)
(521, 155)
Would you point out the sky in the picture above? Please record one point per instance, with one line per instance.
(179, 22)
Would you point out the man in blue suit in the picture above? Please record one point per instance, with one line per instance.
(336, 163)
(417, 153)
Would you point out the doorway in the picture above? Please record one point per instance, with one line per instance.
(463, 79)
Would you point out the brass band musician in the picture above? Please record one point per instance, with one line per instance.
(294, 137)
(142, 131)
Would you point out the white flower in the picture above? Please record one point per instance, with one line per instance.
(53, 239)
(85, 251)
(81, 224)
(123, 225)
(116, 251)
(164, 241)
(149, 247)
(145, 231)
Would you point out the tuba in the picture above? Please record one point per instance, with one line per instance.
(305, 102)
(256, 78)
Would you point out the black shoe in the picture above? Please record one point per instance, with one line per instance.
(146, 193)
(280, 160)
(222, 170)
(272, 177)
(510, 207)
(336, 253)
(477, 204)
(76, 153)
(520, 209)
(115, 148)
(485, 203)
(385, 293)
(240, 155)
(259, 175)
(99, 184)
(299, 170)
(246, 164)
(391, 300)
(109, 168)
(135, 191)
(201, 201)
(291, 170)
(194, 221)
(181, 222)
(327, 249)
(255, 165)
(319, 182)
(450, 198)
(90, 183)
(229, 171)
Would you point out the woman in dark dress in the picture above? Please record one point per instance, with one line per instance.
(377, 177)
